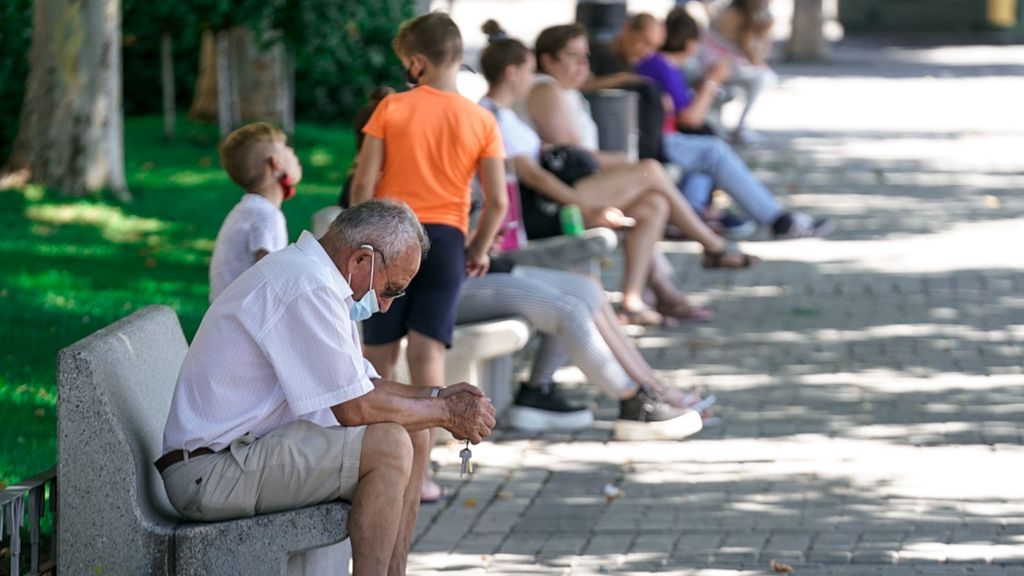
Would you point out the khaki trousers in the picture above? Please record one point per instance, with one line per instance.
(296, 465)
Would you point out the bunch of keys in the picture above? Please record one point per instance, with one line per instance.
(467, 466)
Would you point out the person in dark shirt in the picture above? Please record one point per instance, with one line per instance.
(612, 64)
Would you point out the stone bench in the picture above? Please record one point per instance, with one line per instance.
(115, 390)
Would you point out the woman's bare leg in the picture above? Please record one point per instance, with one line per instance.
(649, 213)
(620, 187)
(622, 347)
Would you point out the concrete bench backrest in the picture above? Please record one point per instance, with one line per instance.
(115, 391)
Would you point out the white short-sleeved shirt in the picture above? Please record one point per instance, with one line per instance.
(520, 138)
(579, 109)
(276, 346)
(254, 224)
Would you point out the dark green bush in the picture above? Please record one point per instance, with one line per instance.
(142, 25)
(15, 37)
(342, 49)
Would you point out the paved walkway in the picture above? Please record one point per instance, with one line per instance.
(871, 385)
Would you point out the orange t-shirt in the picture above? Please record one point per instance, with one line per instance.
(433, 141)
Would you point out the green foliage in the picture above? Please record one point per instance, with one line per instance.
(143, 23)
(342, 49)
(15, 37)
(73, 266)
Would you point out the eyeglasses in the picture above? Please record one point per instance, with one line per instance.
(388, 292)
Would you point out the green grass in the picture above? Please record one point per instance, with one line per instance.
(69, 267)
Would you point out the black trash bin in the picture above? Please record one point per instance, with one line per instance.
(601, 18)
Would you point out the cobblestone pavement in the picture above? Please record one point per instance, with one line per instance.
(870, 385)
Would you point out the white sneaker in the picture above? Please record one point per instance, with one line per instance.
(805, 226)
(647, 416)
(538, 409)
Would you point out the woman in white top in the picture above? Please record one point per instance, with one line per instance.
(641, 191)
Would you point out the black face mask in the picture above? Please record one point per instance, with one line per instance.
(412, 81)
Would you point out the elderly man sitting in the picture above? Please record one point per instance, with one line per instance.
(275, 407)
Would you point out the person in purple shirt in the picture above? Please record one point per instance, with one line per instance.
(710, 155)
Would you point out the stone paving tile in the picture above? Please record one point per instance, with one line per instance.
(872, 413)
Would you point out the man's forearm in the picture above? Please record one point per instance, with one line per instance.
(381, 405)
(406, 390)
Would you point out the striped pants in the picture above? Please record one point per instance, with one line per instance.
(559, 305)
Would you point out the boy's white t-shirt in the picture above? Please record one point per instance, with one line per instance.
(254, 224)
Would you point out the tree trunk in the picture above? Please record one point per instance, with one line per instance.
(259, 82)
(807, 40)
(71, 133)
(264, 80)
(167, 79)
(288, 93)
(204, 102)
(226, 101)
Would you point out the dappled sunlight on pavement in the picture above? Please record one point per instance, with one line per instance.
(870, 385)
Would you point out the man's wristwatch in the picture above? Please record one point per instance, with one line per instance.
(435, 392)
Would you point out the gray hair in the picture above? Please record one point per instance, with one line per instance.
(389, 226)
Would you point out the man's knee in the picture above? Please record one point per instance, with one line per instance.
(387, 445)
(420, 441)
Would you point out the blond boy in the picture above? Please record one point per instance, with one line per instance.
(258, 158)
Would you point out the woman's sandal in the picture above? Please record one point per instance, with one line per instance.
(683, 310)
(720, 259)
(641, 317)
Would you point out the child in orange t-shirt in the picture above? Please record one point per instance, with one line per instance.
(423, 147)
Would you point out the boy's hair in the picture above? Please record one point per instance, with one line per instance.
(236, 152)
(553, 39)
(500, 53)
(433, 35)
(680, 28)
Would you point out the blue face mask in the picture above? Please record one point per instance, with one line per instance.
(367, 305)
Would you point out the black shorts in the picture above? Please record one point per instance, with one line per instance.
(428, 306)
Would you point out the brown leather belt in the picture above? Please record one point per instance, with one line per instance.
(175, 456)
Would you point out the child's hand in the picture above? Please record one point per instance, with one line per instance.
(477, 264)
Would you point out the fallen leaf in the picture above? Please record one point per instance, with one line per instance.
(611, 492)
(696, 344)
(469, 503)
(780, 567)
(150, 262)
(39, 413)
(205, 162)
